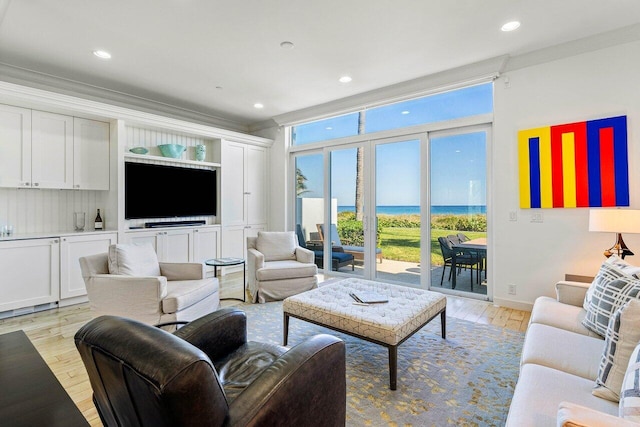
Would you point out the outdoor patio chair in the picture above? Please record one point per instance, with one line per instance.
(339, 258)
(463, 259)
(356, 251)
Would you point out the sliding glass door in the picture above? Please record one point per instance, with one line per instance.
(458, 211)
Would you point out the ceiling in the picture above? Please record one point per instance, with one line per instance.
(220, 57)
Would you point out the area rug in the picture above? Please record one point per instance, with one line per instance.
(465, 380)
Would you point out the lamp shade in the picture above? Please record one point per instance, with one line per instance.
(614, 220)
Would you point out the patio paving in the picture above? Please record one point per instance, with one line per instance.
(409, 273)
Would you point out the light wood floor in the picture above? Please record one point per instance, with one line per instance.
(52, 334)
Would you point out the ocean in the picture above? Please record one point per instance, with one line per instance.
(435, 210)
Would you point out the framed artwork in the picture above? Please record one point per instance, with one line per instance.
(574, 165)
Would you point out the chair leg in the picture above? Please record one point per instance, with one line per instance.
(444, 267)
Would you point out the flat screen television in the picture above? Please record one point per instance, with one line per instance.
(159, 191)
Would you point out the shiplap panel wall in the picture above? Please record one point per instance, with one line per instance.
(150, 139)
(36, 211)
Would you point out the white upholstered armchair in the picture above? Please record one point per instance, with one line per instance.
(129, 281)
(277, 267)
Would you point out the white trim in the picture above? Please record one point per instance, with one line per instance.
(463, 122)
(479, 72)
(14, 94)
(49, 82)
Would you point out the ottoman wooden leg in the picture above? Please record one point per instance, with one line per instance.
(443, 322)
(393, 366)
(285, 329)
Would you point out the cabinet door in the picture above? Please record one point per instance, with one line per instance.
(91, 154)
(206, 245)
(152, 238)
(233, 242)
(177, 246)
(51, 150)
(233, 185)
(30, 273)
(15, 149)
(71, 249)
(256, 173)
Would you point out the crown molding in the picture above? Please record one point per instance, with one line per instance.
(30, 97)
(47, 82)
(622, 35)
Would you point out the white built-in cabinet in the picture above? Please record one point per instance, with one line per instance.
(15, 152)
(90, 154)
(30, 273)
(48, 150)
(51, 151)
(47, 270)
(180, 244)
(72, 287)
(52, 142)
(244, 195)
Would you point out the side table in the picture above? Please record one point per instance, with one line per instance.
(228, 262)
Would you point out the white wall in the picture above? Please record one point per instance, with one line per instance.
(534, 256)
(593, 85)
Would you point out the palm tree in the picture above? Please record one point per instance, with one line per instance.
(301, 183)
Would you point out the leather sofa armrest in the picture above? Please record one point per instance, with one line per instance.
(218, 333)
(304, 255)
(314, 369)
(572, 415)
(182, 270)
(571, 292)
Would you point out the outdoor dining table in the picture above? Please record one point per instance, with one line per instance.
(478, 245)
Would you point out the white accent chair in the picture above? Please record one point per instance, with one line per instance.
(128, 281)
(277, 267)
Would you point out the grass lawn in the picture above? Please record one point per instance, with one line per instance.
(403, 244)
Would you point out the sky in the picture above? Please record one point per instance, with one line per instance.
(457, 163)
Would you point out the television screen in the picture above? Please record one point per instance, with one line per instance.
(159, 191)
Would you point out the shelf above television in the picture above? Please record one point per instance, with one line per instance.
(171, 160)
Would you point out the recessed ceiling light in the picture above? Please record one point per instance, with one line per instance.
(345, 79)
(287, 45)
(510, 26)
(258, 105)
(405, 112)
(102, 54)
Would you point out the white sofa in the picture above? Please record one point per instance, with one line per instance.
(560, 361)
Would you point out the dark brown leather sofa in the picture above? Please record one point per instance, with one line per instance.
(208, 374)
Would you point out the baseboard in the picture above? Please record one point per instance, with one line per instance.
(516, 305)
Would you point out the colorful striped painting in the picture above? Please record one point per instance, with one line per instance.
(574, 165)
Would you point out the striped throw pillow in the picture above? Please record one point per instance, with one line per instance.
(630, 394)
(612, 268)
(623, 334)
(610, 290)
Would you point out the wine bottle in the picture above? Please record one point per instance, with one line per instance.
(98, 222)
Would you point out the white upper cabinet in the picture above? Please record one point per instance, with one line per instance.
(15, 149)
(47, 150)
(51, 150)
(256, 179)
(91, 154)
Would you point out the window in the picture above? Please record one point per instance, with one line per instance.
(454, 104)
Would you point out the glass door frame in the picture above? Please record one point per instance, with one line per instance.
(425, 251)
(426, 132)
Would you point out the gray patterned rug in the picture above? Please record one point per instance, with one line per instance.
(465, 380)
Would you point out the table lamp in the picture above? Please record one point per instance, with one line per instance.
(615, 221)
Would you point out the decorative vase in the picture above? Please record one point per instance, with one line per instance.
(201, 152)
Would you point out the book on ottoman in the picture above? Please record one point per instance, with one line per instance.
(368, 297)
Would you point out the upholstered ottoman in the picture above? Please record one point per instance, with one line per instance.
(388, 324)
